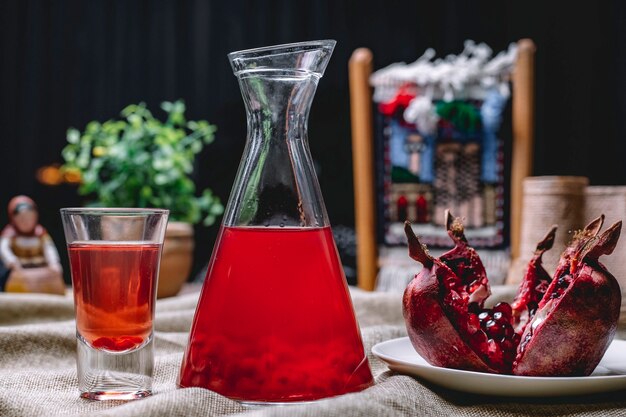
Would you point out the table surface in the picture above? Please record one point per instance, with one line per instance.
(38, 374)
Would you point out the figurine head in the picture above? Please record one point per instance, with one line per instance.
(23, 214)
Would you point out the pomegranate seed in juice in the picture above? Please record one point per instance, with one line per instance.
(274, 321)
(114, 288)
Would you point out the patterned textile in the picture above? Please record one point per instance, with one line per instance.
(439, 128)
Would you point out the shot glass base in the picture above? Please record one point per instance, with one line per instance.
(115, 395)
(104, 375)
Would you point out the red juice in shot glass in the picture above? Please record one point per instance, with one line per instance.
(114, 286)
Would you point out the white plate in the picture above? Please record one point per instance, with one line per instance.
(610, 375)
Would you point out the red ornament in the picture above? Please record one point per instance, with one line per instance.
(422, 209)
(400, 101)
(403, 205)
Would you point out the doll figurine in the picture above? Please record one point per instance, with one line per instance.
(28, 251)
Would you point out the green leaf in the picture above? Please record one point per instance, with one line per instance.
(73, 135)
(162, 164)
(146, 192)
(69, 154)
(160, 179)
(167, 106)
(92, 127)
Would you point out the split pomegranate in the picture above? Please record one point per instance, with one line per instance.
(555, 327)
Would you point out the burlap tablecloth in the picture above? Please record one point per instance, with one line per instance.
(38, 372)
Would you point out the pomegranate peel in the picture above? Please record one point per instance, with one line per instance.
(580, 238)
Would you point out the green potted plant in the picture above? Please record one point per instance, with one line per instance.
(140, 161)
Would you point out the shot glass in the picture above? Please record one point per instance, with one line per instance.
(114, 260)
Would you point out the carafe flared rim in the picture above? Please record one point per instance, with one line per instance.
(284, 57)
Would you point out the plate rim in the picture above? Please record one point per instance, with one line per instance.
(376, 351)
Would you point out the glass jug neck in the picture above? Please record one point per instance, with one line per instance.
(277, 105)
(276, 185)
(278, 84)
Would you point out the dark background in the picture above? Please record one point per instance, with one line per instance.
(64, 63)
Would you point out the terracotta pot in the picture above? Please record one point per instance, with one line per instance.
(176, 259)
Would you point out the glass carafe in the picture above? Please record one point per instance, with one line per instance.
(274, 322)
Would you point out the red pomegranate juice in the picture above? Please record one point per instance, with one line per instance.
(274, 321)
(114, 288)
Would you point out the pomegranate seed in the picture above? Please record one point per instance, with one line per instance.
(503, 308)
(508, 331)
(124, 344)
(494, 330)
(473, 324)
(484, 316)
(104, 342)
(495, 352)
(499, 317)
